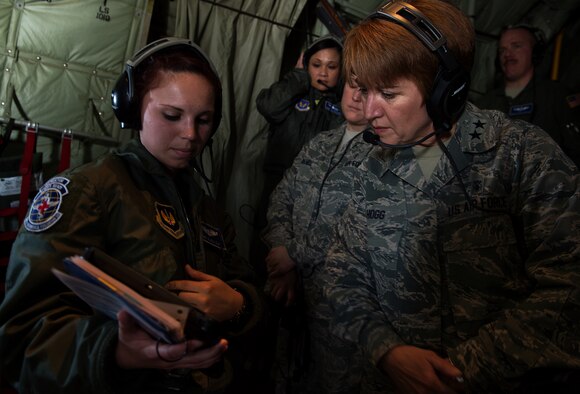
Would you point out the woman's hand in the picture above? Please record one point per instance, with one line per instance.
(209, 294)
(300, 61)
(278, 261)
(419, 371)
(136, 349)
(283, 287)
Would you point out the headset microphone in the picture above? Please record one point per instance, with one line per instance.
(374, 139)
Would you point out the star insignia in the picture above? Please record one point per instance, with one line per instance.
(475, 135)
(479, 124)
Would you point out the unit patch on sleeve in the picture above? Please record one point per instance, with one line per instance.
(165, 216)
(44, 211)
(303, 105)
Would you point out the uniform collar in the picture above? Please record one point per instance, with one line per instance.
(475, 134)
(475, 130)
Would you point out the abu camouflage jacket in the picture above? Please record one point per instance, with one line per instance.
(303, 210)
(493, 284)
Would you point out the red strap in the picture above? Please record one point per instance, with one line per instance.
(65, 150)
(26, 169)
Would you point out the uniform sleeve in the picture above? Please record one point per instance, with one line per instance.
(296, 197)
(276, 102)
(279, 230)
(542, 330)
(351, 289)
(50, 340)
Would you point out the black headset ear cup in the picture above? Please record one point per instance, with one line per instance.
(448, 96)
(122, 101)
(451, 84)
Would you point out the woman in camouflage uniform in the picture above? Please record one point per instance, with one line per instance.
(457, 264)
(303, 209)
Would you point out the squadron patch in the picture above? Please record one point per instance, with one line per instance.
(303, 105)
(213, 236)
(44, 211)
(165, 216)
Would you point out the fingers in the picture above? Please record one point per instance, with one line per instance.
(290, 297)
(275, 272)
(444, 367)
(195, 274)
(277, 292)
(127, 324)
(196, 356)
(192, 285)
(171, 353)
(450, 375)
(125, 320)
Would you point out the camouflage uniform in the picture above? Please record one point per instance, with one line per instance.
(303, 209)
(495, 288)
(296, 112)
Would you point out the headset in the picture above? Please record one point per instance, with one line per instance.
(123, 96)
(451, 85)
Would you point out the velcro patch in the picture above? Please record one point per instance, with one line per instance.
(522, 109)
(335, 109)
(303, 105)
(44, 211)
(213, 236)
(166, 217)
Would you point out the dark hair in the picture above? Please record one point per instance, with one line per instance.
(325, 42)
(175, 60)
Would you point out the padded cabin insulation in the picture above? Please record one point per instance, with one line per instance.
(60, 59)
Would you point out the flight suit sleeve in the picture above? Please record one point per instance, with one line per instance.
(50, 340)
(276, 103)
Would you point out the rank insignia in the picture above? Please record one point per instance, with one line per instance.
(213, 236)
(303, 105)
(165, 216)
(44, 211)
